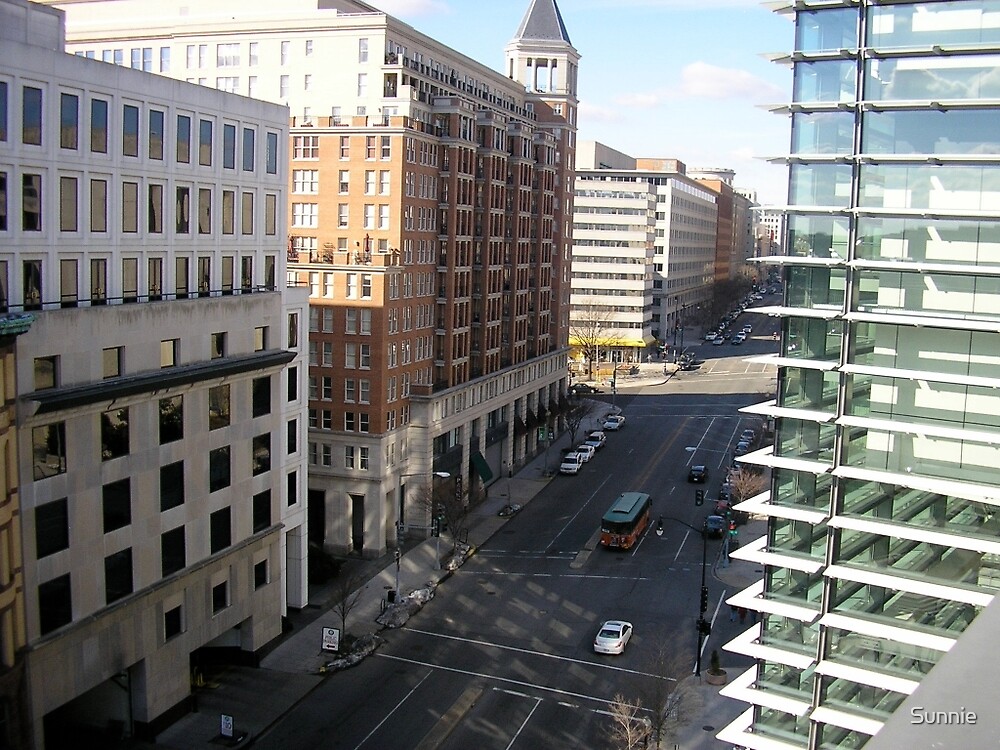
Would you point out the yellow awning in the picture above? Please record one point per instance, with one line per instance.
(614, 343)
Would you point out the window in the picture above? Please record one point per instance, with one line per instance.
(293, 436)
(345, 147)
(154, 278)
(261, 511)
(383, 217)
(246, 214)
(117, 505)
(204, 210)
(171, 419)
(309, 47)
(182, 209)
(285, 48)
(114, 434)
(130, 130)
(261, 458)
(51, 528)
(227, 55)
(3, 201)
(307, 181)
(283, 87)
(112, 362)
(270, 214)
(98, 206)
(173, 625)
(260, 338)
(154, 213)
(55, 604)
(229, 212)
(69, 121)
(3, 111)
(343, 214)
(220, 596)
(249, 136)
(362, 84)
(156, 134)
(292, 488)
(130, 207)
(99, 126)
(218, 469)
(172, 553)
(385, 177)
(362, 50)
(260, 574)
(345, 181)
(305, 147)
(31, 116)
(262, 396)
(293, 384)
(386, 147)
(205, 143)
(130, 279)
(305, 215)
(31, 202)
(218, 407)
(168, 352)
(254, 56)
(181, 280)
(183, 139)
(46, 372)
(171, 485)
(218, 345)
(229, 147)
(220, 530)
(164, 59)
(117, 575)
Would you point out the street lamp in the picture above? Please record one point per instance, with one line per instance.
(703, 626)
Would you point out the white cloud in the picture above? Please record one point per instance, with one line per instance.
(702, 80)
(591, 113)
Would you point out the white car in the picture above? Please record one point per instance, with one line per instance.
(586, 451)
(612, 637)
(711, 336)
(614, 422)
(571, 463)
(596, 439)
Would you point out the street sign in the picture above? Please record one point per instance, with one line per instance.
(331, 639)
(227, 725)
(542, 432)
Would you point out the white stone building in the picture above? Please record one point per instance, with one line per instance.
(161, 404)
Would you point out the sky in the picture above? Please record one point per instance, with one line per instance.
(681, 79)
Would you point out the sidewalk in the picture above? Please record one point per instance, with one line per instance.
(257, 698)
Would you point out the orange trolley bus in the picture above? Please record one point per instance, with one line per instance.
(625, 520)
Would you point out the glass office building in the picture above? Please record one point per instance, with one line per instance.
(882, 541)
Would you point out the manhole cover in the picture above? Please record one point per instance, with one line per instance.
(708, 728)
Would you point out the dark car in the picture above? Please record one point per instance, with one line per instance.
(714, 526)
(698, 474)
(581, 388)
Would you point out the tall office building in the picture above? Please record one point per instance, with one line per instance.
(644, 252)
(429, 217)
(882, 538)
(160, 405)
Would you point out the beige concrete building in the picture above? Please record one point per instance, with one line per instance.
(160, 412)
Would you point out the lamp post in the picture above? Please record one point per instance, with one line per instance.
(702, 626)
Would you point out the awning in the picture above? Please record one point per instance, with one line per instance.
(481, 466)
(519, 427)
(613, 343)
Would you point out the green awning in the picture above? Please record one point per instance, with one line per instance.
(482, 468)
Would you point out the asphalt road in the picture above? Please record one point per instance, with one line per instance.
(502, 657)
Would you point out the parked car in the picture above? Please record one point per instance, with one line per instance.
(742, 448)
(711, 336)
(587, 451)
(596, 439)
(719, 341)
(613, 636)
(614, 422)
(748, 436)
(571, 463)
(698, 474)
(582, 388)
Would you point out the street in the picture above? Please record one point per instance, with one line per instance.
(503, 656)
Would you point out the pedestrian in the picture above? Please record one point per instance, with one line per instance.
(743, 615)
(733, 611)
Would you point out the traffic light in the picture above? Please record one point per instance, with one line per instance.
(699, 497)
(704, 627)
(704, 599)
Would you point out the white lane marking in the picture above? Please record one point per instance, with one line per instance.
(580, 510)
(483, 676)
(682, 544)
(395, 708)
(703, 436)
(487, 644)
(538, 702)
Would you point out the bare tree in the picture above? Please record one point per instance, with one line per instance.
(348, 591)
(629, 729)
(579, 409)
(669, 704)
(746, 483)
(448, 501)
(590, 329)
